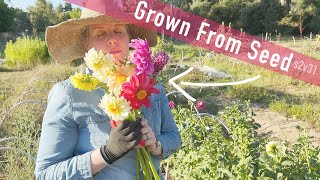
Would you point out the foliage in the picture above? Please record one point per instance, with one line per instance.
(206, 153)
(66, 12)
(37, 17)
(75, 13)
(22, 23)
(164, 45)
(42, 15)
(201, 7)
(6, 18)
(26, 52)
(304, 15)
(229, 11)
(264, 15)
(61, 15)
(304, 111)
(185, 5)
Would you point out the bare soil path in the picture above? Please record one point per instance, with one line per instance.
(280, 127)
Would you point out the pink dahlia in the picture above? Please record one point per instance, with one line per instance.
(171, 104)
(160, 60)
(141, 57)
(138, 90)
(200, 105)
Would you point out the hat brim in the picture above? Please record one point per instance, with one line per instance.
(65, 41)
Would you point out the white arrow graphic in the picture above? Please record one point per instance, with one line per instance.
(221, 84)
(171, 81)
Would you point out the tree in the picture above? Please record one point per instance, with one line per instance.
(185, 5)
(262, 16)
(67, 7)
(42, 15)
(21, 22)
(75, 13)
(61, 14)
(314, 23)
(201, 7)
(228, 11)
(6, 18)
(66, 12)
(304, 15)
(303, 8)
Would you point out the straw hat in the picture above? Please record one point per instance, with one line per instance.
(65, 40)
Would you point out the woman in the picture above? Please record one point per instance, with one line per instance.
(76, 139)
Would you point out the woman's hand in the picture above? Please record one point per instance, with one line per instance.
(147, 135)
(122, 139)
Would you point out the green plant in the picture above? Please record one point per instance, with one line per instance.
(300, 161)
(207, 154)
(26, 52)
(164, 45)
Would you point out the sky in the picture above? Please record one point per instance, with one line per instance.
(23, 4)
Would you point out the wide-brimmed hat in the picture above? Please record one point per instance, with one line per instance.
(65, 40)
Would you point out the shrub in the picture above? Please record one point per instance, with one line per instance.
(26, 52)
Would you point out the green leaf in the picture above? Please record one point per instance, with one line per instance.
(264, 178)
(287, 163)
(227, 172)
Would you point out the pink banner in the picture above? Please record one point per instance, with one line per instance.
(210, 35)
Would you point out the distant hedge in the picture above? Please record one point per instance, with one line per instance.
(26, 52)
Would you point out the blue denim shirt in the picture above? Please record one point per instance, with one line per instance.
(74, 125)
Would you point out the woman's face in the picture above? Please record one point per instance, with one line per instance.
(110, 38)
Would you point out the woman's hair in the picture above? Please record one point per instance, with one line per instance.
(84, 37)
(129, 34)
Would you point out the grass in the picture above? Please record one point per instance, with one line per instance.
(24, 122)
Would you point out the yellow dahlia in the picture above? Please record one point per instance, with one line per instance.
(120, 75)
(99, 62)
(103, 76)
(84, 82)
(118, 108)
(275, 148)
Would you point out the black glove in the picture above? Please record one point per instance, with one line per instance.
(122, 139)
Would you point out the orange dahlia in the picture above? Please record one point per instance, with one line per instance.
(138, 90)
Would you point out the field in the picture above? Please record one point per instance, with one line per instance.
(250, 110)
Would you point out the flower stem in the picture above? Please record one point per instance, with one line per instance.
(143, 165)
(138, 165)
(153, 169)
(146, 162)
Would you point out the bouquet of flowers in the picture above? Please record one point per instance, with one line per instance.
(128, 84)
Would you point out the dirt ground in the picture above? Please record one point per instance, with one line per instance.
(277, 126)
